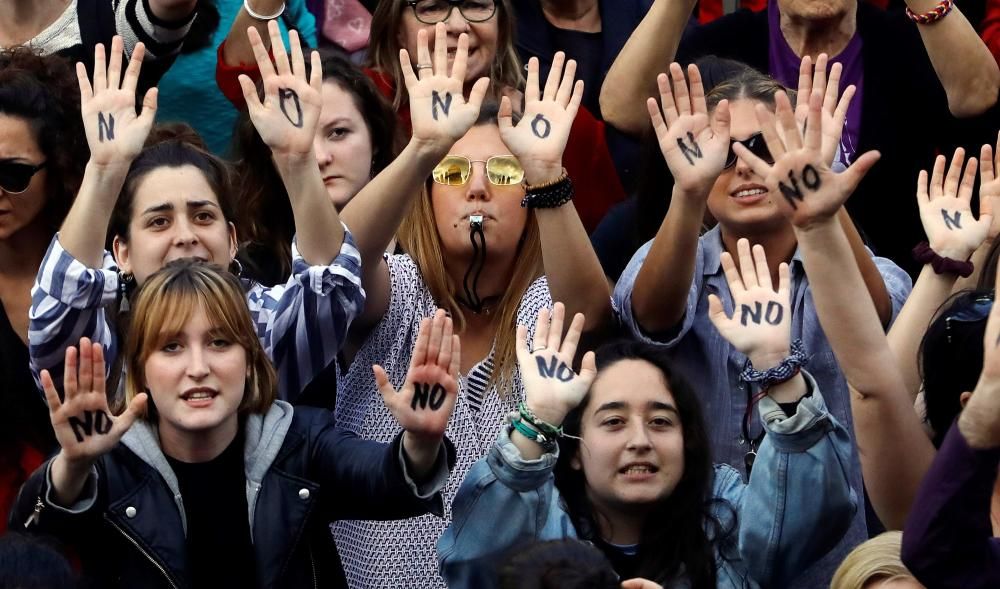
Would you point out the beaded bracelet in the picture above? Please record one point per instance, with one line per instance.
(543, 426)
(785, 370)
(942, 265)
(548, 195)
(931, 16)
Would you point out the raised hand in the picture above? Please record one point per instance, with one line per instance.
(952, 231)
(694, 147)
(551, 387)
(833, 113)
(989, 186)
(539, 138)
(286, 119)
(803, 186)
(82, 422)
(760, 326)
(114, 132)
(427, 399)
(439, 112)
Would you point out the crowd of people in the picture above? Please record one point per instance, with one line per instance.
(650, 294)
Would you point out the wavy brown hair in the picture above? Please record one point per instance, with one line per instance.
(383, 51)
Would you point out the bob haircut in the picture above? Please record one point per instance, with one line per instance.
(678, 537)
(168, 300)
(418, 236)
(876, 560)
(383, 53)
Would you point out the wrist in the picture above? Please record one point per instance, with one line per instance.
(549, 414)
(536, 173)
(767, 359)
(295, 163)
(111, 169)
(74, 468)
(421, 450)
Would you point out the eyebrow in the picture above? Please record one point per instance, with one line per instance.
(657, 405)
(191, 204)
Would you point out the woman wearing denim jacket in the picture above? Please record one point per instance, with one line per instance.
(638, 481)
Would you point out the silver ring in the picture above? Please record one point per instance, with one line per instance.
(424, 67)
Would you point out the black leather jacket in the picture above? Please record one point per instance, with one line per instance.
(130, 531)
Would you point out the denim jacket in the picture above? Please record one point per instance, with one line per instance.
(796, 506)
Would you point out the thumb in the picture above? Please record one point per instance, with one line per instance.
(716, 313)
(504, 116)
(721, 120)
(135, 410)
(478, 93)
(149, 106)
(383, 384)
(859, 169)
(249, 91)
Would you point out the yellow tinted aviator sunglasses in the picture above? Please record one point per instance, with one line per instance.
(501, 170)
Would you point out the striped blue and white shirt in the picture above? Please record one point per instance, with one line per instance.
(301, 324)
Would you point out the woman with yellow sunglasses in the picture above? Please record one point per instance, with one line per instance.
(491, 238)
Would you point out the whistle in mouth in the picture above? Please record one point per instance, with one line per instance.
(476, 220)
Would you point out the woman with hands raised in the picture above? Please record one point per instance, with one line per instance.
(620, 457)
(205, 478)
(171, 200)
(491, 238)
(718, 151)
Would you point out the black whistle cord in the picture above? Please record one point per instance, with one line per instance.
(472, 299)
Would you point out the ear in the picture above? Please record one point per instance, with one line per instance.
(964, 398)
(233, 244)
(121, 253)
(575, 462)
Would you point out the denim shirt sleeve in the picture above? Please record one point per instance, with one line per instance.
(799, 501)
(504, 500)
(302, 323)
(897, 282)
(68, 302)
(622, 300)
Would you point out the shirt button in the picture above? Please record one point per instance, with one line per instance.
(303, 494)
(130, 512)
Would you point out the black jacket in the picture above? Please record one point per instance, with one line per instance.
(303, 473)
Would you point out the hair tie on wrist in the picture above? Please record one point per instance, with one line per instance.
(931, 16)
(784, 371)
(925, 255)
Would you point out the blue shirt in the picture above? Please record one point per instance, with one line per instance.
(713, 366)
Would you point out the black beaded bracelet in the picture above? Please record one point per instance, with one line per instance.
(549, 196)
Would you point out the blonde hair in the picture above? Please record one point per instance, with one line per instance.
(383, 51)
(167, 301)
(418, 236)
(877, 559)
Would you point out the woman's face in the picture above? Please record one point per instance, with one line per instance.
(197, 379)
(740, 200)
(632, 453)
(483, 37)
(18, 146)
(175, 214)
(343, 145)
(504, 219)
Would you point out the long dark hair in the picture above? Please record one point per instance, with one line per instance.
(675, 543)
(266, 216)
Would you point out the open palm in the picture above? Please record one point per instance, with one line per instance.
(946, 211)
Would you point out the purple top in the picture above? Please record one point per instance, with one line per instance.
(948, 539)
(784, 66)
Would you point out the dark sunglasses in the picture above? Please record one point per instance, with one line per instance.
(977, 309)
(15, 177)
(757, 146)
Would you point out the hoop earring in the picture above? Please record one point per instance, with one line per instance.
(239, 267)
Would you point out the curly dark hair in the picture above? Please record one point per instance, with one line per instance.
(681, 535)
(266, 214)
(43, 91)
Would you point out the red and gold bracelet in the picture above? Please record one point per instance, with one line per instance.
(932, 16)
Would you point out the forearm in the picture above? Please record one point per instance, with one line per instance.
(319, 233)
(661, 288)
(929, 293)
(237, 50)
(421, 455)
(68, 479)
(574, 273)
(85, 227)
(172, 10)
(874, 283)
(647, 52)
(978, 260)
(964, 65)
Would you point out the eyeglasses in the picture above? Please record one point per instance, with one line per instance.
(757, 146)
(501, 170)
(15, 177)
(432, 12)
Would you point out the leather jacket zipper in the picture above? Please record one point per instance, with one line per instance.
(36, 514)
(144, 553)
(312, 565)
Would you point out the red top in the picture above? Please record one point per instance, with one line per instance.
(12, 477)
(990, 27)
(587, 159)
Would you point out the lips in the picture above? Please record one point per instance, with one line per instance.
(638, 470)
(199, 396)
(749, 193)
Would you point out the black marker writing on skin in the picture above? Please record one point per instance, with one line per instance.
(811, 179)
(690, 153)
(952, 222)
(436, 102)
(105, 127)
(93, 422)
(424, 395)
(541, 126)
(773, 315)
(286, 95)
(556, 368)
